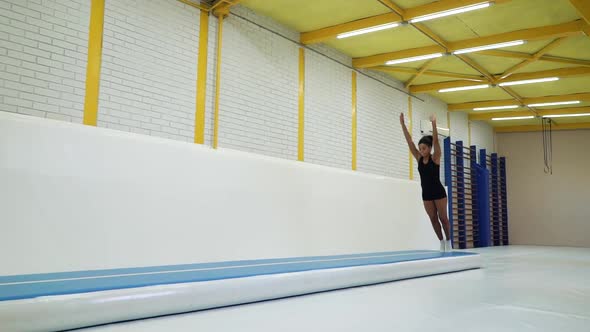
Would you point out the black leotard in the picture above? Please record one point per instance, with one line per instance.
(432, 189)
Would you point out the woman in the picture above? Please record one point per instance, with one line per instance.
(433, 192)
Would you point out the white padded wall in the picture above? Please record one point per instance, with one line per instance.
(99, 198)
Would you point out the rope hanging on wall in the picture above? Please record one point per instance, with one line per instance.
(547, 144)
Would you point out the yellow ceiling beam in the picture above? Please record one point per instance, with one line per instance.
(442, 85)
(546, 32)
(390, 69)
(221, 7)
(324, 34)
(391, 5)
(420, 72)
(397, 15)
(380, 59)
(201, 6)
(534, 58)
(583, 7)
(529, 128)
(561, 72)
(479, 116)
(508, 102)
(440, 6)
(548, 58)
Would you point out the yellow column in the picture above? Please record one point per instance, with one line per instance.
(354, 133)
(301, 131)
(411, 122)
(94, 61)
(217, 81)
(201, 78)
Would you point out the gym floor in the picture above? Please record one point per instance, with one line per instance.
(521, 288)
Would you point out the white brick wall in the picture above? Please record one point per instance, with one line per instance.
(482, 135)
(43, 51)
(328, 110)
(381, 147)
(259, 84)
(148, 82)
(149, 68)
(459, 127)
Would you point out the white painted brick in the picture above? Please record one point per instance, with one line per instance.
(58, 116)
(36, 52)
(18, 102)
(32, 112)
(8, 92)
(25, 11)
(38, 37)
(23, 41)
(150, 126)
(34, 82)
(47, 92)
(11, 14)
(48, 77)
(35, 67)
(62, 73)
(10, 60)
(19, 71)
(25, 26)
(11, 30)
(51, 48)
(64, 45)
(40, 9)
(8, 108)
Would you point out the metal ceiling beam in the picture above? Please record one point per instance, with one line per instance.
(508, 102)
(391, 69)
(561, 72)
(398, 15)
(583, 7)
(479, 116)
(529, 128)
(546, 32)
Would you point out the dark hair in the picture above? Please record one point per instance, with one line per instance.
(427, 140)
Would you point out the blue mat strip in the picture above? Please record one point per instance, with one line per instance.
(36, 285)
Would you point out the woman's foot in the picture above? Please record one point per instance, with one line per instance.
(448, 246)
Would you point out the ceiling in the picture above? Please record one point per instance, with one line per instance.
(556, 35)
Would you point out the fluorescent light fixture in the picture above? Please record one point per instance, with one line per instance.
(489, 47)
(514, 118)
(566, 115)
(556, 103)
(368, 30)
(495, 108)
(538, 80)
(461, 88)
(414, 58)
(450, 12)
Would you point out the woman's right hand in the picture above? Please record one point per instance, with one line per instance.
(401, 119)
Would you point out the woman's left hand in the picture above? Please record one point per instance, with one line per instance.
(433, 118)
